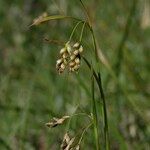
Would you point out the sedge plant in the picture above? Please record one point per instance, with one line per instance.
(70, 57)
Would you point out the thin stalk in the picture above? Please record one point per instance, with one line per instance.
(95, 45)
(91, 29)
(86, 12)
(75, 27)
(82, 114)
(81, 35)
(84, 133)
(98, 81)
(106, 133)
(69, 120)
(95, 118)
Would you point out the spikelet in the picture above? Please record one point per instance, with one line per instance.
(69, 143)
(56, 121)
(74, 63)
(69, 58)
(39, 19)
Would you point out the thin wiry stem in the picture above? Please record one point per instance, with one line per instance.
(95, 117)
(81, 35)
(106, 133)
(98, 80)
(83, 114)
(84, 133)
(86, 12)
(88, 64)
(75, 27)
(95, 45)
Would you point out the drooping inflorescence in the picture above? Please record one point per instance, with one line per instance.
(69, 58)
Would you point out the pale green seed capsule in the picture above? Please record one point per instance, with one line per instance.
(76, 45)
(62, 51)
(81, 49)
(59, 61)
(76, 67)
(72, 69)
(68, 48)
(72, 57)
(65, 55)
(65, 62)
(62, 66)
(77, 61)
(76, 52)
(71, 64)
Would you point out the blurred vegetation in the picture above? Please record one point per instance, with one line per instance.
(32, 92)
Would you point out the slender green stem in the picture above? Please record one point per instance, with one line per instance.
(91, 29)
(77, 114)
(94, 74)
(95, 45)
(84, 133)
(83, 114)
(98, 81)
(69, 120)
(81, 35)
(86, 12)
(75, 27)
(95, 118)
(106, 133)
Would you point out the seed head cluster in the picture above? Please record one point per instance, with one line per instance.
(69, 57)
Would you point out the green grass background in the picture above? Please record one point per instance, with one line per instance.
(32, 92)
